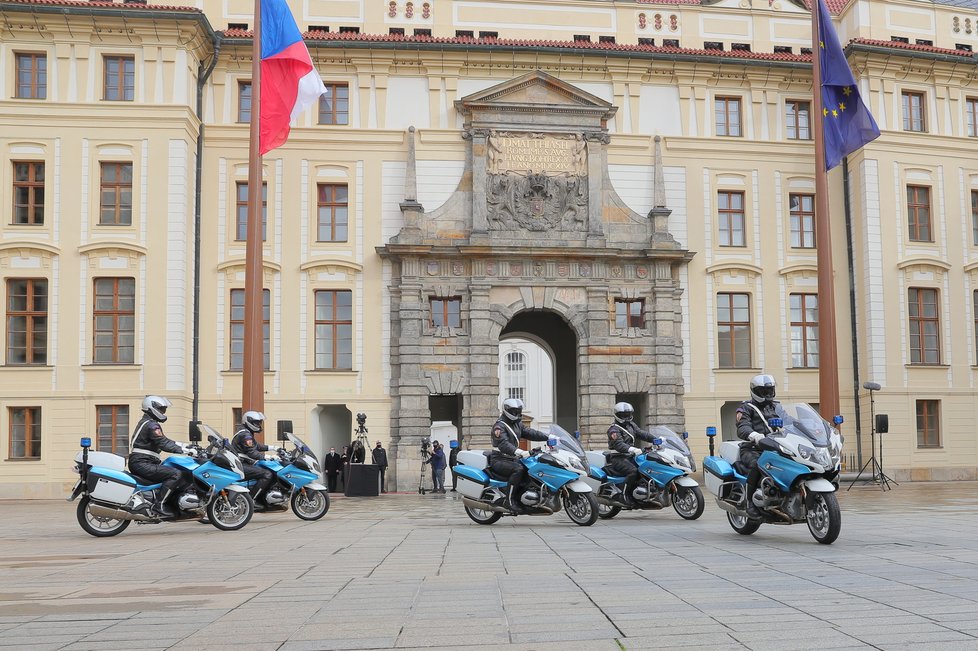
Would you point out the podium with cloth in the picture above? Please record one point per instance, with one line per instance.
(362, 480)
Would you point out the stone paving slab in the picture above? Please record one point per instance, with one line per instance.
(412, 572)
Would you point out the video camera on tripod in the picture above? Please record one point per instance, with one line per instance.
(425, 450)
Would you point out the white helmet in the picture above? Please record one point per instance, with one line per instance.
(762, 388)
(253, 420)
(624, 413)
(155, 407)
(513, 409)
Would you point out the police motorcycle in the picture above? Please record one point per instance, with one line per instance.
(297, 478)
(664, 468)
(112, 498)
(799, 463)
(555, 476)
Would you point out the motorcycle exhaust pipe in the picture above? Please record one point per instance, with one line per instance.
(116, 514)
(730, 508)
(482, 506)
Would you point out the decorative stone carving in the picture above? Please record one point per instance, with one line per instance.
(537, 182)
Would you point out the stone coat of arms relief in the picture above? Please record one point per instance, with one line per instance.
(536, 181)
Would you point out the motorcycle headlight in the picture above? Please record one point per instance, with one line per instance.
(682, 462)
(576, 464)
(806, 453)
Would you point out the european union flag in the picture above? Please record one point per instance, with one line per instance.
(847, 123)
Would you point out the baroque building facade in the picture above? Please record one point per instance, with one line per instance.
(626, 186)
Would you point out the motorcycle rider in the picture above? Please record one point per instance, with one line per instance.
(250, 451)
(147, 441)
(506, 435)
(623, 435)
(752, 426)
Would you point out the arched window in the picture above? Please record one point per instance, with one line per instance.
(515, 375)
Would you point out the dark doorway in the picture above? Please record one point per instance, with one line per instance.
(640, 403)
(447, 407)
(559, 336)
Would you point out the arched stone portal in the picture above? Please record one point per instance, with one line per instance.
(534, 240)
(559, 337)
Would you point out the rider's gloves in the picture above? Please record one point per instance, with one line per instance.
(755, 437)
(522, 453)
(189, 449)
(273, 448)
(634, 452)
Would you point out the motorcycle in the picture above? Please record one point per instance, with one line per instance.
(112, 498)
(664, 479)
(799, 463)
(555, 476)
(297, 475)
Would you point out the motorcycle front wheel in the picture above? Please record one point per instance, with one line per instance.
(230, 510)
(481, 516)
(742, 524)
(606, 512)
(582, 508)
(688, 502)
(97, 525)
(825, 518)
(310, 504)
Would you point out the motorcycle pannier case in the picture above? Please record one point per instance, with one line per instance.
(716, 472)
(471, 481)
(112, 486)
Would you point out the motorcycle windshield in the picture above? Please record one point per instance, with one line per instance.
(565, 441)
(802, 420)
(213, 436)
(302, 447)
(669, 439)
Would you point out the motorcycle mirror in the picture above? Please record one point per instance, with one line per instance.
(194, 431)
(284, 427)
(711, 431)
(86, 442)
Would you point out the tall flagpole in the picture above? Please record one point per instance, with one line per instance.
(828, 350)
(253, 378)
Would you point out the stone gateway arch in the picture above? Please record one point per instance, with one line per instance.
(534, 231)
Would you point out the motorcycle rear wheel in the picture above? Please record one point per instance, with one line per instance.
(310, 504)
(98, 526)
(582, 508)
(606, 512)
(742, 524)
(230, 510)
(481, 516)
(688, 502)
(824, 518)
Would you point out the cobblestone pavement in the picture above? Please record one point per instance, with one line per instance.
(410, 571)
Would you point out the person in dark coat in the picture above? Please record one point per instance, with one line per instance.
(453, 461)
(344, 462)
(379, 457)
(438, 463)
(358, 454)
(333, 464)
(752, 426)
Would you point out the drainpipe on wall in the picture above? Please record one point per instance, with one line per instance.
(852, 310)
(202, 77)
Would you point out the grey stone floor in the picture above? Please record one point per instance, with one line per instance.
(411, 571)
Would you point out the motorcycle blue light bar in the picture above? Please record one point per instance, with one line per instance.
(685, 435)
(656, 441)
(838, 419)
(776, 423)
(711, 431)
(86, 442)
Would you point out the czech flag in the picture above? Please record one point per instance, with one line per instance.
(289, 81)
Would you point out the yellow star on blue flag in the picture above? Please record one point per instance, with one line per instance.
(851, 125)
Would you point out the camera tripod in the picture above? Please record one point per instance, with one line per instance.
(425, 457)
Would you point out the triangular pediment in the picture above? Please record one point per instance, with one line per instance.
(536, 88)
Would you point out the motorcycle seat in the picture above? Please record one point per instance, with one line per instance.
(142, 481)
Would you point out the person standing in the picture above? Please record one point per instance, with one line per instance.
(379, 457)
(333, 466)
(438, 464)
(344, 462)
(453, 461)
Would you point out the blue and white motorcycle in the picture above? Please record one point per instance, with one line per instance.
(555, 476)
(799, 464)
(297, 479)
(112, 498)
(664, 479)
